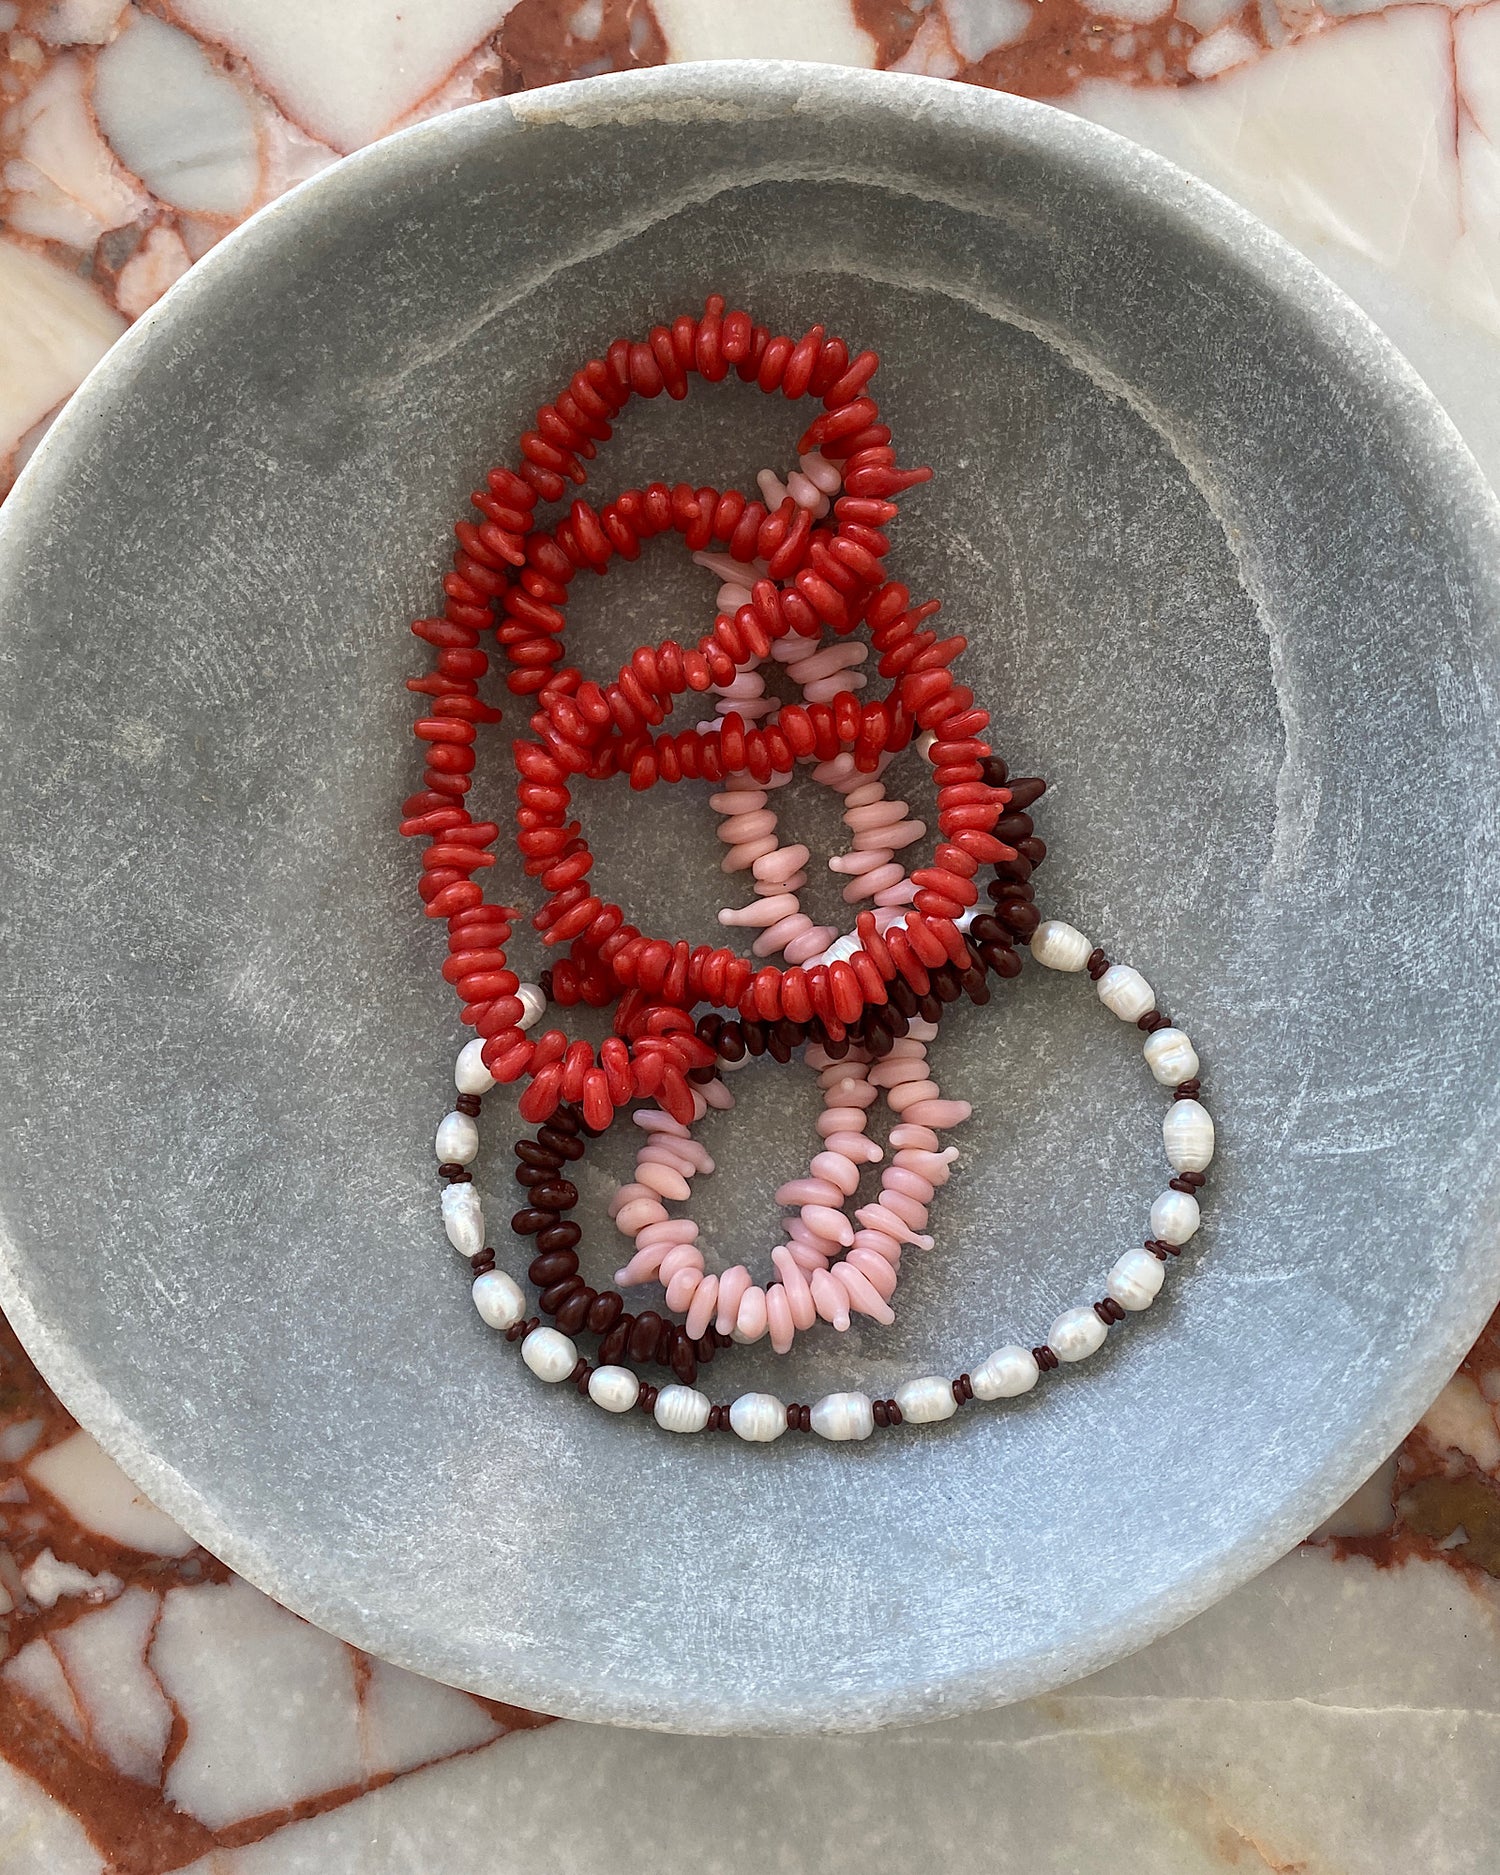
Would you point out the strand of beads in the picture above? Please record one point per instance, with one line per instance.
(1132, 1285)
(828, 1266)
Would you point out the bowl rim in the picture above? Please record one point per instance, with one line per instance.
(786, 86)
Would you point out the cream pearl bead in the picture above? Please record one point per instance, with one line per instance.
(758, 1418)
(470, 1075)
(926, 1400)
(616, 1389)
(1126, 992)
(549, 1354)
(498, 1299)
(1076, 1334)
(457, 1139)
(1171, 1057)
(463, 1218)
(682, 1409)
(843, 1416)
(1060, 946)
(1005, 1373)
(533, 1005)
(1136, 1279)
(1175, 1217)
(1187, 1132)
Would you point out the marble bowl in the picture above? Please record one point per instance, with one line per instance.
(1229, 581)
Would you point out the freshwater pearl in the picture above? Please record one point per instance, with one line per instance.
(1174, 1217)
(457, 1139)
(616, 1389)
(1005, 1373)
(1171, 1057)
(470, 1075)
(498, 1299)
(1060, 946)
(1187, 1132)
(1126, 992)
(1075, 1335)
(1136, 1280)
(682, 1409)
(927, 1399)
(843, 1416)
(463, 1219)
(533, 1005)
(549, 1354)
(758, 1418)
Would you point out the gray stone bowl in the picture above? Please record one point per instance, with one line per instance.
(1229, 581)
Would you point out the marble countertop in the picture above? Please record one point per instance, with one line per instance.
(1339, 1714)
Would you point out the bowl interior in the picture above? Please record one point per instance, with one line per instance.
(1222, 569)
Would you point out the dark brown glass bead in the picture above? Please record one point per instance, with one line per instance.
(878, 1409)
(731, 1042)
(987, 929)
(580, 1377)
(1014, 871)
(708, 1028)
(484, 1261)
(1026, 789)
(469, 1104)
(455, 1173)
(1033, 849)
(1017, 916)
(647, 1399)
(665, 1343)
(893, 1414)
(995, 773)
(613, 1346)
(1187, 1090)
(718, 1418)
(1192, 1181)
(945, 984)
(700, 1077)
(552, 1139)
(879, 1038)
(644, 1335)
(1013, 828)
(563, 1236)
(566, 1119)
(544, 984)
(705, 1348)
(530, 1153)
(975, 984)
(1109, 1311)
(604, 1311)
(755, 1036)
(556, 1294)
(570, 1317)
(777, 1047)
(530, 1176)
(791, 1416)
(1159, 1247)
(1002, 959)
(1153, 1020)
(794, 1034)
(528, 1222)
(559, 1195)
(903, 996)
(929, 1008)
(963, 1390)
(895, 1021)
(1044, 1358)
(552, 1268)
(684, 1359)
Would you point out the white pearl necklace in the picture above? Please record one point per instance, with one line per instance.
(1132, 1285)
